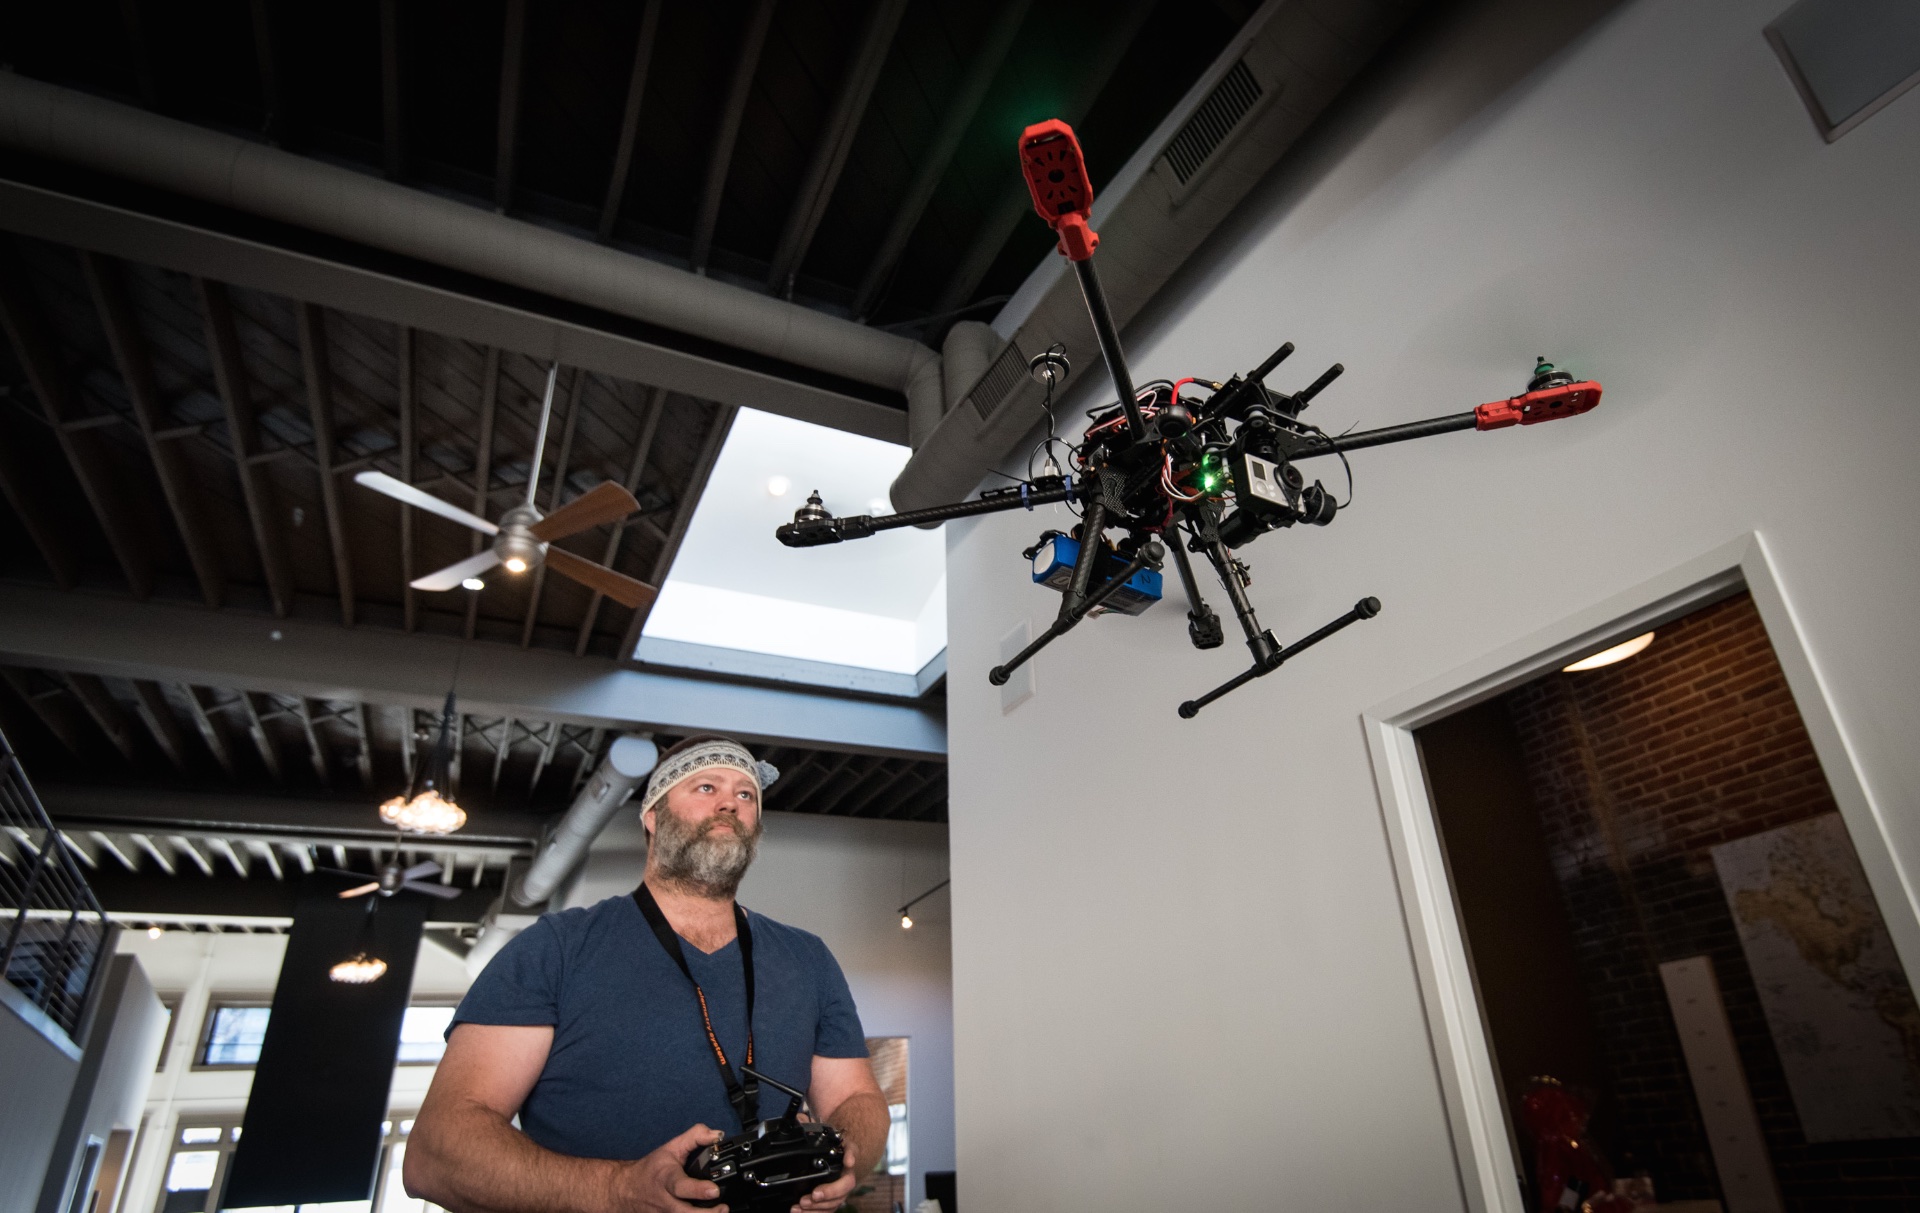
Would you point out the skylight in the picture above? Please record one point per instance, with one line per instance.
(876, 605)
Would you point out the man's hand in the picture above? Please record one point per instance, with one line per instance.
(828, 1197)
(659, 1183)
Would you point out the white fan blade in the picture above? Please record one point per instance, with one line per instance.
(450, 577)
(444, 892)
(400, 490)
(420, 871)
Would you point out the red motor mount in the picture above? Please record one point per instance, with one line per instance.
(1547, 404)
(1056, 174)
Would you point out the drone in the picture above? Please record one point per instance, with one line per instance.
(1189, 467)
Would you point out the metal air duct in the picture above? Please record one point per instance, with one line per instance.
(121, 141)
(628, 761)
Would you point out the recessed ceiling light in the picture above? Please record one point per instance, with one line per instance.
(473, 583)
(777, 486)
(1619, 652)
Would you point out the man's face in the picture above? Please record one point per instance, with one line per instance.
(706, 830)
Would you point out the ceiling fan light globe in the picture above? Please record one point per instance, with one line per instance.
(427, 813)
(514, 564)
(358, 970)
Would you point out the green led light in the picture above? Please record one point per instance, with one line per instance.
(1207, 481)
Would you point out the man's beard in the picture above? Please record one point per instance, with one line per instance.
(709, 858)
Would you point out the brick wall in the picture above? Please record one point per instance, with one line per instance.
(1639, 769)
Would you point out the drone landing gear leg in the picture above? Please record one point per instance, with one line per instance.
(1148, 556)
(1366, 608)
(1203, 626)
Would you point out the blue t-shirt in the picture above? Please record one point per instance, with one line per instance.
(630, 1067)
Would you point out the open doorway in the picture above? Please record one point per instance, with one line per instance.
(1662, 910)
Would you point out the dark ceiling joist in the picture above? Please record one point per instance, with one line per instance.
(115, 231)
(409, 444)
(209, 731)
(656, 404)
(257, 730)
(938, 156)
(512, 67)
(150, 704)
(102, 634)
(727, 133)
(1117, 33)
(34, 516)
(41, 703)
(683, 515)
(104, 709)
(560, 467)
(106, 279)
(483, 466)
(835, 142)
(393, 144)
(630, 118)
(317, 367)
(53, 387)
(236, 398)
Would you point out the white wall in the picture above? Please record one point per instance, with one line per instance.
(204, 968)
(844, 879)
(1181, 970)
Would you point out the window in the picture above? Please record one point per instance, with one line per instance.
(234, 1033)
(423, 1035)
(197, 1173)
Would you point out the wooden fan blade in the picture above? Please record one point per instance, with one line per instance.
(400, 490)
(362, 891)
(621, 588)
(607, 502)
(451, 577)
(445, 892)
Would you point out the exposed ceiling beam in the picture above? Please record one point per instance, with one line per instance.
(798, 795)
(682, 516)
(266, 852)
(315, 750)
(1117, 32)
(257, 729)
(32, 512)
(835, 142)
(483, 466)
(111, 845)
(145, 843)
(501, 750)
(105, 710)
(727, 133)
(636, 468)
(185, 846)
(107, 281)
(403, 357)
(150, 703)
(230, 378)
(44, 628)
(880, 787)
(875, 769)
(513, 46)
(903, 803)
(83, 848)
(53, 387)
(961, 106)
(224, 848)
(42, 704)
(209, 731)
(547, 744)
(392, 121)
(363, 760)
(560, 467)
(705, 374)
(630, 119)
(316, 364)
(288, 821)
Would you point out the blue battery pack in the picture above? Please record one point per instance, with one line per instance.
(1053, 567)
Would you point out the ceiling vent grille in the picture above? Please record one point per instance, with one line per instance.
(1231, 100)
(998, 383)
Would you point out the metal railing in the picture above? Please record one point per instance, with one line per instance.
(54, 928)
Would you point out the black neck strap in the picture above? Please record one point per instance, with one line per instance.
(745, 1097)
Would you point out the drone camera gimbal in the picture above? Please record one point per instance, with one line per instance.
(1201, 474)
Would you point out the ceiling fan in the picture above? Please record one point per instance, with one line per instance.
(396, 879)
(523, 536)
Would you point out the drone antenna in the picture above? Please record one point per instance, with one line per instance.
(540, 441)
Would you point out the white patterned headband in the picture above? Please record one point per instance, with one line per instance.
(716, 753)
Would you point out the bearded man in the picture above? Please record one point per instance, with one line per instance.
(615, 1034)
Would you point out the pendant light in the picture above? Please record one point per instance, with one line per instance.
(424, 808)
(363, 966)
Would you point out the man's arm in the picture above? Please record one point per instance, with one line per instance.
(465, 1155)
(843, 1089)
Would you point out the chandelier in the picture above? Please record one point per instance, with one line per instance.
(423, 808)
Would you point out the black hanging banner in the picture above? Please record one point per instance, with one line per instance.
(312, 1128)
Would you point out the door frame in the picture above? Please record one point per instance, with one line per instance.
(1482, 1143)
